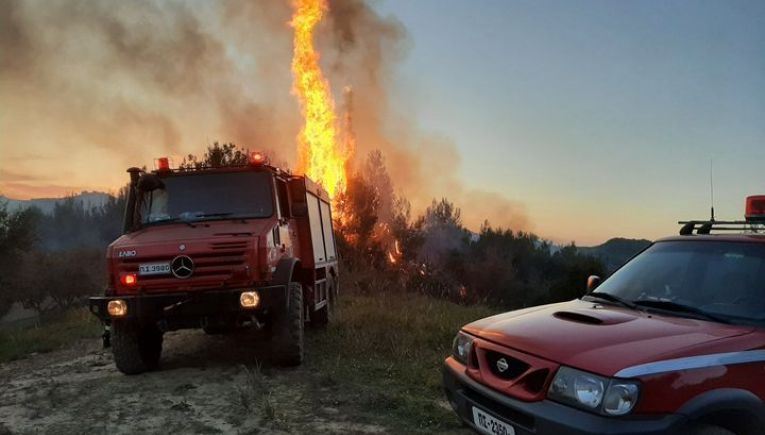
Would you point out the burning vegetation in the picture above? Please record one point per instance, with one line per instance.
(379, 242)
(320, 156)
(157, 78)
(172, 58)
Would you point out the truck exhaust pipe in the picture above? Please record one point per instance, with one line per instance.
(127, 223)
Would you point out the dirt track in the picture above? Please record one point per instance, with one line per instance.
(203, 387)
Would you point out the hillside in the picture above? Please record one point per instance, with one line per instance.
(46, 205)
(615, 252)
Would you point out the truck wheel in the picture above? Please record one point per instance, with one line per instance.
(136, 348)
(288, 329)
(322, 316)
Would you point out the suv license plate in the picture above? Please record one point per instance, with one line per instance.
(154, 269)
(490, 425)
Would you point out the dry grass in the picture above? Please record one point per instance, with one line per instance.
(54, 332)
(387, 351)
(379, 362)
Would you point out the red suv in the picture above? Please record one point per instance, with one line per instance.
(673, 342)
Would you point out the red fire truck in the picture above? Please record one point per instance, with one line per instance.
(671, 343)
(218, 248)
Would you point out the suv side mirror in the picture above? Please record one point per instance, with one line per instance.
(593, 281)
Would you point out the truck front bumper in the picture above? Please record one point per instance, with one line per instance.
(190, 305)
(543, 417)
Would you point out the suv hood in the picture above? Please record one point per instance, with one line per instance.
(602, 338)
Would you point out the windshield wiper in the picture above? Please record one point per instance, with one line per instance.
(679, 308)
(170, 219)
(210, 215)
(611, 298)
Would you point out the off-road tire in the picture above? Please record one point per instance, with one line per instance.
(136, 348)
(288, 329)
(324, 315)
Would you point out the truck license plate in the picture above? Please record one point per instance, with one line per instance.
(154, 269)
(490, 425)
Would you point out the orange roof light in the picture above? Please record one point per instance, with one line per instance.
(257, 158)
(755, 208)
(162, 164)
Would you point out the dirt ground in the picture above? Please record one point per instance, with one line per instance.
(202, 387)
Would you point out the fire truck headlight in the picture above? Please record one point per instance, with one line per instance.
(117, 308)
(249, 299)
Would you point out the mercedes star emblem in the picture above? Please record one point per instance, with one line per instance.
(501, 363)
(182, 266)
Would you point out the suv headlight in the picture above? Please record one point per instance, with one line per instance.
(593, 392)
(461, 347)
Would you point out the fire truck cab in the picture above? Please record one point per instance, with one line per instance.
(671, 343)
(218, 248)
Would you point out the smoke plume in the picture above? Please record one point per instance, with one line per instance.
(92, 87)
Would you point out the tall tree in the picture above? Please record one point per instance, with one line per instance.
(17, 235)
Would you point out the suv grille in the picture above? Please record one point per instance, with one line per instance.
(518, 374)
(509, 369)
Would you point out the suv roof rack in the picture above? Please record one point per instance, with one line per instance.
(706, 227)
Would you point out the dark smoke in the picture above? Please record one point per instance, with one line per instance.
(129, 81)
(119, 83)
(364, 49)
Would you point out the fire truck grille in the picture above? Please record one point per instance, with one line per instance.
(219, 264)
(239, 244)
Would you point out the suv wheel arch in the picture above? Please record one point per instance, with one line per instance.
(737, 410)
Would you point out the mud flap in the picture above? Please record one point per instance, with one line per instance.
(284, 275)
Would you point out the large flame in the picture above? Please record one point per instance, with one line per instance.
(320, 156)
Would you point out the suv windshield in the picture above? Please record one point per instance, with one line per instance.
(209, 196)
(713, 280)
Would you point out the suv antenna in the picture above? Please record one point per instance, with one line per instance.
(712, 189)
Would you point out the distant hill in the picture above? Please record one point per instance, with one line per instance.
(616, 252)
(46, 205)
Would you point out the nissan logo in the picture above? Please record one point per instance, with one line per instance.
(501, 363)
(182, 266)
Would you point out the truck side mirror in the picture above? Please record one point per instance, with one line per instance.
(593, 281)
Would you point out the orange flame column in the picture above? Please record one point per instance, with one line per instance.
(320, 156)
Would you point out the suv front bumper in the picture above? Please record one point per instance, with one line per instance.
(190, 305)
(543, 417)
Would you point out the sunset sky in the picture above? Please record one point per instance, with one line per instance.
(594, 119)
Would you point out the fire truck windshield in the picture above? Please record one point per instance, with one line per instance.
(712, 280)
(209, 196)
